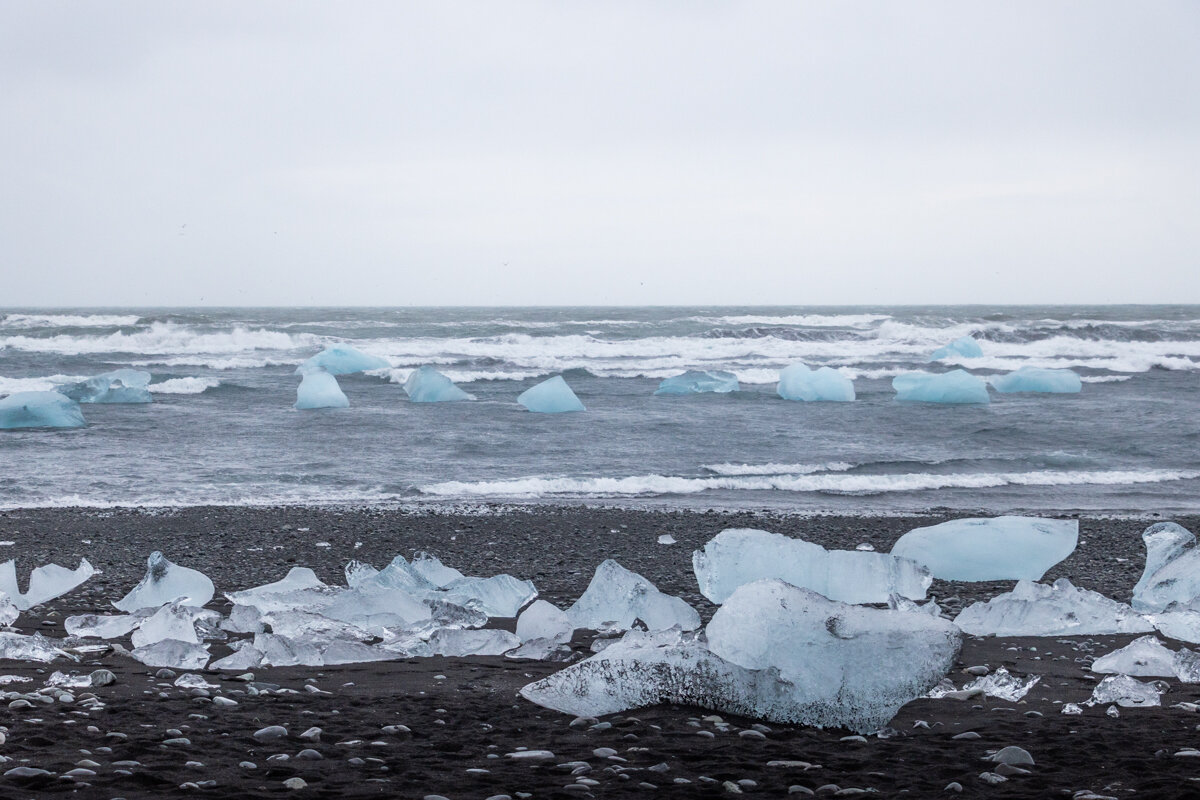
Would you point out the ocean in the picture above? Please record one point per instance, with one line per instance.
(222, 429)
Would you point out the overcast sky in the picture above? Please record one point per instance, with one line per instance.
(170, 153)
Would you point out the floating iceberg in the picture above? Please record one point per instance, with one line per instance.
(798, 382)
(1145, 657)
(742, 555)
(427, 385)
(1172, 572)
(19, 647)
(1036, 379)
(616, 598)
(544, 620)
(696, 382)
(173, 654)
(166, 582)
(965, 347)
(319, 389)
(45, 583)
(1126, 692)
(996, 549)
(118, 386)
(958, 386)
(341, 359)
(551, 396)
(40, 410)
(1034, 609)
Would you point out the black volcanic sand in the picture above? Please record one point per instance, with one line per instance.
(464, 715)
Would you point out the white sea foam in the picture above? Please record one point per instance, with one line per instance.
(68, 320)
(165, 337)
(777, 469)
(217, 362)
(800, 320)
(41, 384)
(184, 385)
(1105, 378)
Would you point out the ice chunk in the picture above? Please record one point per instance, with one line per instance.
(243, 619)
(166, 582)
(101, 626)
(798, 382)
(297, 579)
(172, 621)
(247, 656)
(357, 572)
(1172, 572)
(457, 643)
(451, 615)
(697, 382)
(427, 385)
(540, 650)
(1004, 685)
(616, 598)
(996, 549)
(40, 410)
(45, 583)
(497, 596)
(1036, 379)
(399, 574)
(741, 555)
(280, 651)
(8, 610)
(551, 396)
(1145, 657)
(118, 386)
(958, 386)
(1126, 692)
(172, 653)
(1035, 609)
(313, 627)
(342, 652)
(319, 389)
(434, 571)
(19, 647)
(342, 359)
(376, 608)
(964, 347)
(543, 620)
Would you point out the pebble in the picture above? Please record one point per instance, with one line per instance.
(796, 788)
(582, 722)
(224, 701)
(1013, 755)
(953, 786)
(992, 778)
(180, 741)
(165, 674)
(856, 739)
(270, 733)
(103, 677)
(978, 671)
(752, 734)
(295, 783)
(308, 754)
(966, 735)
(531, 755)
(731, 787)
(604, 752)
(829, 788)
(26, 773)
(248, 765)
(311, 735)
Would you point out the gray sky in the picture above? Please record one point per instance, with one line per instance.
(598, 153)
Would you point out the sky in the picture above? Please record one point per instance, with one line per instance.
(542, 153)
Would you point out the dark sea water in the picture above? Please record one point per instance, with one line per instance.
(222, 428)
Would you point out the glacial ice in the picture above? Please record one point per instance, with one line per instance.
(963, 347)
(995, 549)
(1035, 609)
(246, 656)
(1180, 622)
(433, 570)
(1004, 685)
(297, 579)
(376, 608)
(280, 651)
(1172, 571)
(497, 596)
(458, 643)
(798, 382)
(551, 396)
(342, 359)
(427, 385)
(1145, 657)
(741, 555)
(8, 610)
(957, 386)
(399, 574)
(19, 647)
(540, 650)
(165, 582)
(118, 386)
(699, 382)
(40, 410)
(45, 583)
(616, 598)
(101, 626)
(542, 620)
(172, 621)
(1126, 692)
(319, 389)
(173, 654)
(1036, 379)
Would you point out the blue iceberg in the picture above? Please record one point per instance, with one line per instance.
(40, 410)
(118, 386)
(551, 396)
(966, 347)
(798, 382)
(958, 386)
(427, 385)
(342, 359)
(696, 382)
(1035, 379)
(319, 389)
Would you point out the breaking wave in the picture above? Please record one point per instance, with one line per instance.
(184, 385)
(69, 320)
(164, 337)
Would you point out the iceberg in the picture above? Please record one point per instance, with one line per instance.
(958, 386)
(173, 621)
(39, 410)
(1145, 657)
(798, 382)
(964, 347)
(996, 549)
(542, 620)
(497, 596)
(319, 389)
(697, 382)
(118, 386)
(616, 598)
(1172, 571)
(164, 583)
(173, 654)
(739, 556)
(1126, 692)
(458, 643)
(1036, 379)
(1034, 609)
(427, 385)
(342, 359)
(45, 583)
(551, 396)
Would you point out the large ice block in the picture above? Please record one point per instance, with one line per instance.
(1126, 692)
(319, 389)
(298, 579)
(542, 620)
(742, 555)
(798, 382)
(427, 385)
(699, 382)
(166, 582)
(19, 647)
(458, 643)
(8, 610)
(1036, 379)
(101, 626)
(118, 386)
(172, 621)
(433, 570)
(994, 549)
(40, 410)
(1145, 657)
(1172, 571)
(957, 386)
(1035, 609)
(616, 598)
(45, 583)
(497, 596)
(173, 654)
(342, 359)
(963, 347)
(551, 396)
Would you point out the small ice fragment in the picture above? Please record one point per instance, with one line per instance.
(958, 386)
(319, 389)
(40, 410)
(698, 382)
(172, 621)
(1004, 685)
(1037, 379)
(166, 582)
(1126, 692)
(1034, 609)
(19, 647)
(798, 382)
(357, 572)
(101, 626)
(542, 620)
(8, 610)
(193, 681)
(551, 396)
(434, 571)
(616, 598)
(540, 650)
(118, 386)
(458, 643)
(69, 681)
(993, 549)
(963, 347)
(865, 547)
(1072, 709)
(666, 538)
(427, 385)
(342, 359)
(1145, 657)
(172, 653)
(45, 583)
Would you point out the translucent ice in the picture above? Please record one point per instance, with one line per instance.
(377, 608)
(798, 382)
(172, 621)
(995, 549)
(45, 583)
(399, 574)
(1172, 572)
(173, 654)
(319, 389)
(1036, 379)
(1145, 657)
(247, 656)
(696, 382)
(741, 555)
(280, 651)
(497, 596)
(342, 359)
(343, 652)
(427, 385)
(616, 598)
(19, 647)
(965, 347)
(40, 410)
(1035, 609)
(958, 386)
(1004, 685)
(118, 386)
(551, 396)
(101, 626)
(1126, 692)
(433, 570)
(544, 620)
(298, 578)
(457, 643)
(165, 582)
(8, 610)
(540, 650)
